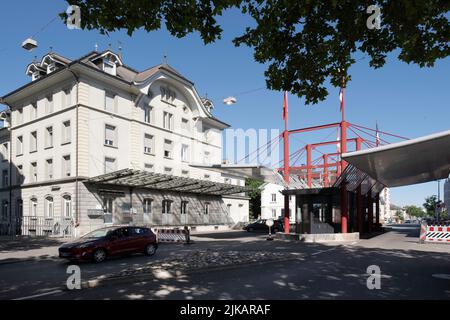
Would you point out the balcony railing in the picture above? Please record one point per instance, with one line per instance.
(46, 226)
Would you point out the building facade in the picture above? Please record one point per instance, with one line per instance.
(272, 202)
(95, 116)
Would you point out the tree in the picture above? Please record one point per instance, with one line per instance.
(255, 197)
(430, 205)
(304, 43)
(414, 211)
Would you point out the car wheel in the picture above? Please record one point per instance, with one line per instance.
(99, 255)
(150, 249)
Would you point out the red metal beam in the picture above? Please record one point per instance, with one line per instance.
(286, 161)
(325, 171)
(314, 128)
(317, 166)
(308, 164)
(318, 144)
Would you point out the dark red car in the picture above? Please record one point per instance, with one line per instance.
(111, 241)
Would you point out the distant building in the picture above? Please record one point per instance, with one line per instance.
(272, 202)
(447, 194)
(385, 205)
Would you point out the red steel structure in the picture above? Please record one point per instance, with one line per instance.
(330, 165)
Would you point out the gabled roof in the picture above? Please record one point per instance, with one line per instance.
(142, 76)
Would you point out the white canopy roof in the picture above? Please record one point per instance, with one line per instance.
(408, 162)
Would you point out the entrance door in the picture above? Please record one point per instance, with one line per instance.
(147, 211)
(108, 207)
(167, 212)
(206, 213)
(183, 211)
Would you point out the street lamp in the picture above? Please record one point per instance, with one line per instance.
(29, 44)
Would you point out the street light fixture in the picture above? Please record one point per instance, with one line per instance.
(229, 101)
(29, 44)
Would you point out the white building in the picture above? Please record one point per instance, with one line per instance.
(385, 205)
(272, 202)
(95, 142)
(447, 194)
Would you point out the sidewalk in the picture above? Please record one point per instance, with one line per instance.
(25, 249)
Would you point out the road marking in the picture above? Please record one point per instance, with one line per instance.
(322, 251)
(441, 276)
(39, 295)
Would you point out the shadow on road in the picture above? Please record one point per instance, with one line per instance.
(336, 273)
(29, 243)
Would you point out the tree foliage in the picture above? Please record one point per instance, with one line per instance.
(255, 196)
(414, 211)
(430, 205)
(304, 43)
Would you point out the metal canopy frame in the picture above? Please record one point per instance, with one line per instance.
(143, 179)
(353, 178)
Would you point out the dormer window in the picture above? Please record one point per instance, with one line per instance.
(51, 67)
(109, 67)
(35, 75)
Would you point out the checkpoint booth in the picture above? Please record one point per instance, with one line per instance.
(368, 172)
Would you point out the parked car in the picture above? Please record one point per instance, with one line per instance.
(260, 225)
(102, 243)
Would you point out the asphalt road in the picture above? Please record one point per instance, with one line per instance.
(408, 271)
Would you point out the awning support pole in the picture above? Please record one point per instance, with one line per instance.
(377, 211)
(344, 207)
(359, 210)
(370, 210)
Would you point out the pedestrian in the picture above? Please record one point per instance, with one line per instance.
(187, 235)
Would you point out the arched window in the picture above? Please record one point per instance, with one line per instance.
(33, 207)
(48, 207)
(206, 211)
(67, 206)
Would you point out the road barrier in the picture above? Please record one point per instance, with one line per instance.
(173, 235)
(435, 233)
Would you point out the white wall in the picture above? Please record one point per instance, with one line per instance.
(267, 205)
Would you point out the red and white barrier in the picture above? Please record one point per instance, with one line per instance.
(435, 233)
(172, 235)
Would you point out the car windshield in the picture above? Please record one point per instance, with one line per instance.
(97, 234)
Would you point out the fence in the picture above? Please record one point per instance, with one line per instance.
(46, 226)
(172, 235)
(435, 233)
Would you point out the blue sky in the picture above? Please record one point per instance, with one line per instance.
(404, 99)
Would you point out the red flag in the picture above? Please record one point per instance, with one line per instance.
(285, 105)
